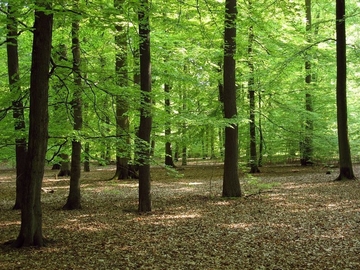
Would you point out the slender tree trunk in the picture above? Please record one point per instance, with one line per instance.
(168, 149)
(252, 128)
(122, 104)
(184, 127)
(87, 157)
(18, 107)
(231, 184)
(145, 110)
(31, 212)
(346, 170)
(261, 135)
(307, 145)
(74, 198)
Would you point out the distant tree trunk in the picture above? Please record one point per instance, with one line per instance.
(221, 100)
(18, 107)
(184, 129)
(64, 165)
(122, 104)
(231, 184)
(346, 170)
(261, 136)
(145, 110)
(306, 148)
(251, 81)
(74, 198)
(212, 143)
(87, 157)
(168, 149)
(31, 212)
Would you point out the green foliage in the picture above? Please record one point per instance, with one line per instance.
(186, 38)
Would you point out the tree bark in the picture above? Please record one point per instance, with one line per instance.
(74, 198)
(87, 157)
(169, 161)
(307, 144)
(346, 170)
(64, 165)
(31, 212)
(251, 81)
(122, 104)
(145, 110)
(231, 184)
(18, 107)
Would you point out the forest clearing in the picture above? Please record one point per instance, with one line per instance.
(290, 217)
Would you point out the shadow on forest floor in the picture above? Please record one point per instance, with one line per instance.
(305, 221)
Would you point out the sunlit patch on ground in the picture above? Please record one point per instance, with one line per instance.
(306, 222)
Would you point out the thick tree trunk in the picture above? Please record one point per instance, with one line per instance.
(74, 198)
(346, 170)
(231, 184)
(31, 213)
(18, 107)
(145, 111)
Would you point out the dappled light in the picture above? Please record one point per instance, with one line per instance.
(302, 222)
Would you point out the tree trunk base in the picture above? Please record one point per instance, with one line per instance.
(254, 169)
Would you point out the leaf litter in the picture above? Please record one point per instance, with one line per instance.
(301, 220)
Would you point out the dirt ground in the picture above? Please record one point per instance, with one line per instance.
(289, 218)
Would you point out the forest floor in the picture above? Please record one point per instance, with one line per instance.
(290, 218)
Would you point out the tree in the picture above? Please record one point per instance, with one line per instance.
(231, 184)
(346, 170)
(122, 103)
(168, 149)
(251, 89)
(145, 110)
(31, 212)
(306, 148)
(74, 198)
(18, 107)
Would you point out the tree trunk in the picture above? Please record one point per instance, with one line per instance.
(64, 165)
(74, 198)
(168, 149)
(31, 213)
(307, 146)
(184, 128)
(18, 108)
(261, 136)
(87, 157)
(231, 184)
(122, 104)
(346, 170)
(252, 128)
(145, 110)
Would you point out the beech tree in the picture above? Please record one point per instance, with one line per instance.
(169, 161)
(31, 212)
(346, 170)
(18, 107)
(306, 149)
(74, 198)
(122, 103)
(231, 184)
(251, 89)
(145, 110)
